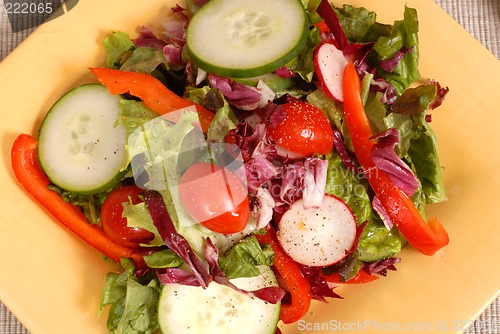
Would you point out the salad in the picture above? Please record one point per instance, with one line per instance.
(238, 173)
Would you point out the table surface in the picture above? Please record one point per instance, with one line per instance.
(481, 18)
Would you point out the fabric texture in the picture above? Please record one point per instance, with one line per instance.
(481, 18)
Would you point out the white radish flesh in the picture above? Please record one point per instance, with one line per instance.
(320, 236)
(329, 64)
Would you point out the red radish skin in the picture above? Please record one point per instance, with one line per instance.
(317, 237)
(329, 64)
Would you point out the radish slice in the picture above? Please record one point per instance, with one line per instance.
(329, 63)
(317, 237)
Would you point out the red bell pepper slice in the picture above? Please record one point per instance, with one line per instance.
(30, 175)
(361, 277)
(297, 284)
(150, 90)
(427, 238)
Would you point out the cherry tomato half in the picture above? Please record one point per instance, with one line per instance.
(305, 130)
(115, 226)
(215, 198)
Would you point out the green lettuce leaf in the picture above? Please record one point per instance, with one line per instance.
(133, 114)
(415, 100)
(242, 260)
(333, 112)
(164, 258)
(90, 205)
(223, 122)
(132, 304)
(418, 147)
(198, 94)
(426, 165)
(348, 186)
(121, 53)
(404, 34)
(145, 60)
(376, 242)
(303, 64)
(360, 24)
(116, 45)
(138, 216)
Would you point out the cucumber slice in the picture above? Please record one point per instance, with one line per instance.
(274, 81)
(186, 309)
(241, 38)
(80, 149)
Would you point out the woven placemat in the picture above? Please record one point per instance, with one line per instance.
(481, 18)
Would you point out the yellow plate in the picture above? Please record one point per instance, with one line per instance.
(51, 280)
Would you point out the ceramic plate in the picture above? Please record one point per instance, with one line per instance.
(52, 281)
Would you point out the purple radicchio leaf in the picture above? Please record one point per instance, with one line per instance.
(388, 91)
(177, 276)
(175, 34)
(263, 206)
(390, 64)
(385, 158)
(359, 231)
(382, 266)
(325, 10)
(277, 116)
(245, 138)
(200, 3)
(239, 95)
(284, 72)
(174, 30)
(358, 52)
(441, 93)
(292, 183)
(378, 84)
(148, 39)
(173, 54)
(380, 210)
(269, 294)
(176, 242)
(346, 157)
(320, 289)
(314, 182)
(258, 171)
(266, 149)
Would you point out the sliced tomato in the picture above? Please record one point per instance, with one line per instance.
(215, 198)
(304, 131)
(115, 226)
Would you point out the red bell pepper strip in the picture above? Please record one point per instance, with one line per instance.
(322, 27)
(29, 173)
(360, 277)
(150, 90)
(427, 238)
(297, 284)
